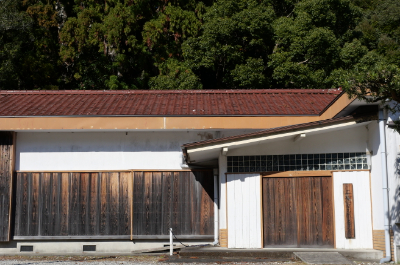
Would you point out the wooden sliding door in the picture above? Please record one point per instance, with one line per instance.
(298, 212)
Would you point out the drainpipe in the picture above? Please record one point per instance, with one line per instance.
(382, 138)
(216, 232)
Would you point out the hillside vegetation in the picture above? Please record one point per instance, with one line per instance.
(178, 44)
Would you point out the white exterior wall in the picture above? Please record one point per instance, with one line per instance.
(346, 140)
(393, 166)
(362, 210)
(376, 176)
(106, 150)
(244, 211)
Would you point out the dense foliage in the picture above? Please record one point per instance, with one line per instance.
(193, 44)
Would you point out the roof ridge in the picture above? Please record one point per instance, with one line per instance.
(206, 91)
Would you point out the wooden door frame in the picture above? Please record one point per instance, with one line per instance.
(293, 174)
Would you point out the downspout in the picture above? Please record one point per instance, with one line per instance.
(216, 231)
(382, 139)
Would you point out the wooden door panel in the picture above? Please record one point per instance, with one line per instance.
(268, 210)
(310, 223)
(298, 212)
(280, 217)
(327, 212)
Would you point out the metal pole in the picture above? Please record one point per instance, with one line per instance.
(171, 243)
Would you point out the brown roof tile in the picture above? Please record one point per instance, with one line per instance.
(263, 102)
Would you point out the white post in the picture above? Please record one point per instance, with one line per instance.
(171, 243)
(216, 225)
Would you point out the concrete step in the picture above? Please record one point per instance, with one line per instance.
(277, 253)
(322, 258)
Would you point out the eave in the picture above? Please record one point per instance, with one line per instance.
(210, 149)
(123, 123)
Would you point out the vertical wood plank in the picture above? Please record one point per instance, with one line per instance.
(166, 202)
(46, 205)
(22, 218)
(196, 197)
(74, 214)
(93, 214)
(157, 203)
(327, 212)
(104, 223)
(64, 207)
(207, 200)
(130, 200)
(268, 210)
(317, 211)
(34, 211)
(56, 204)
(147, 222)
(192, 205)
(175, 204)
(138, 202)
(84, 204)
(7, 153)
(184, 205)
(131, 184)
(18, 205)
(348, 200)
(125, 190)
(114, 203)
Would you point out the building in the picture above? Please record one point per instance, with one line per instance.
(241, 168)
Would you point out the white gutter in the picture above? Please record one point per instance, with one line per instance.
(216, 230)
(382, 139)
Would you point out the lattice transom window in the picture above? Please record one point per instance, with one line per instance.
(298, 162)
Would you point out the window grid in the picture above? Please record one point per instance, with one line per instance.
(298, 162)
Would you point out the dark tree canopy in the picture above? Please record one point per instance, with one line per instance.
(375, 75)
(192, 44)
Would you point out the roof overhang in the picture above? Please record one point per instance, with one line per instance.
(356, 103)
(102, 123)
(211, 149)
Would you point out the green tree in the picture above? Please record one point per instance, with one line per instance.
(381, 82)
(192, 44)
(375, 76)
(163, 37)
(311, 41)
(100, 47)
(29, 47)
(235, 36)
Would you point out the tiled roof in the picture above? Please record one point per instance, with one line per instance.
(263, 102)
(358, 118)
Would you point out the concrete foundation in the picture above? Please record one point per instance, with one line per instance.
(110, 247)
